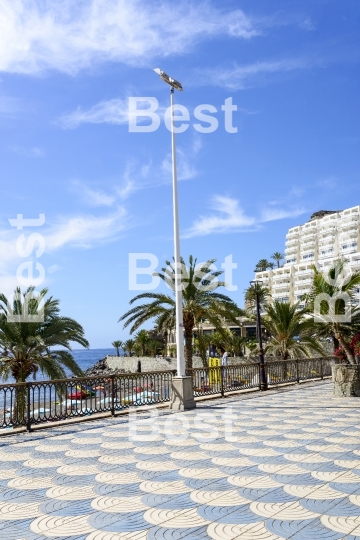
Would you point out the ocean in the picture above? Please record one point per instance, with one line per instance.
(84, 357)
(88, 357)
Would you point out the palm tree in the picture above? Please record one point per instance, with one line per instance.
(238, 345)
(128, 346)
(117, 345)
(202, 343)
(291, 331)
(278, 257)
(200, 301)
(262, 265)
(250, 296)
(340, 321)
(153, 346)
(28, 332)
(142, 339)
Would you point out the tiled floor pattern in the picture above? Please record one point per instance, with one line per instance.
(288, 468)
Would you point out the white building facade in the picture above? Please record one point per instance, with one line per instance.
(327, 237)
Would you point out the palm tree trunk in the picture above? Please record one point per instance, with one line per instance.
(188, 332)
(188, 349)
(20, 397)
(349, 354)
(18, 414)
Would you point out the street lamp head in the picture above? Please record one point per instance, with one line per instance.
(172, 82)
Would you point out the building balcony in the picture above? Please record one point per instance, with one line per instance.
(306, 246)
(291, 249)
(308, 257)
(277, 286)
(348, 234)
(326, 243)
(308, 232)
(281, 297)
(308, 272)
(348, 250)
(301, 282)
(300, 291)
(262, 274)
(291, 241)
(293, 232)
(328, 232)
(349, 224)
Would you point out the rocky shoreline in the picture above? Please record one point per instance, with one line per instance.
(101, 368)
(111, 365)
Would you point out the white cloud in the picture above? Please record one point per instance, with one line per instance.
(231, 218)
(83, 231)
(185, 169)
(328, 183)
(113, 111)
(128, 187)
(33, 152)
(53, 268)
(184, 157)
(86, 231)
(245, 76)
(272, 214)
(94, 197)
(70, 35)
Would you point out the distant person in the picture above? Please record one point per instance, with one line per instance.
(224, 360)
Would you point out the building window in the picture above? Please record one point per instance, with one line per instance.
(250, 331)
(349, 246)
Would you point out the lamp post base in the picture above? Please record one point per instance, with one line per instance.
(182, 394)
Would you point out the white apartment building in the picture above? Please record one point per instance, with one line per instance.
(327, 236)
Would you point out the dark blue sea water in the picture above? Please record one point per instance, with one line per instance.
(88, 357)
(84, 357)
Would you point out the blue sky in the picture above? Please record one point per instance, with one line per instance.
(67, 69)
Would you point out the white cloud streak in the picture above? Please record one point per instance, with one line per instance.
(82, 231)
(86, 231)
(185, 169)
(71, 35)
(33, 152)
(272, 214)
(113, 111)
(240, 77)
(94, 197)
(231, 218)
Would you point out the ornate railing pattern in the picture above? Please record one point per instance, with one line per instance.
(220, 380)
(33, 403)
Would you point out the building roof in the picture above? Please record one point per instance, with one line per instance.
(321, 213)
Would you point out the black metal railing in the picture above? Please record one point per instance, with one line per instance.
(223, 379)
(33, 403)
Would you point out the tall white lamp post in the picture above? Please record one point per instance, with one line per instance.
(182, 391)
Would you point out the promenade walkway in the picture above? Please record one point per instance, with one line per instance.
(278, 465)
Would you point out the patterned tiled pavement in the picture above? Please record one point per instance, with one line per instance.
(290, 468)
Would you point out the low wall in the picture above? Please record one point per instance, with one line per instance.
(130, 364)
